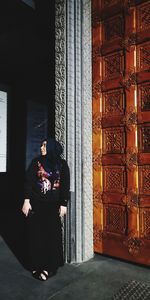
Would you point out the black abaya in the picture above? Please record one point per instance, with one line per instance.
(45, 238)
(44, 224)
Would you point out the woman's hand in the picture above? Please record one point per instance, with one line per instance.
(62, 211)
(26, 207)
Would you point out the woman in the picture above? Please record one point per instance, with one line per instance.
(46, 195)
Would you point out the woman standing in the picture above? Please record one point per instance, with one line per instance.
(47, 188)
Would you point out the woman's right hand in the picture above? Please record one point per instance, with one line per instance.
(26, 207)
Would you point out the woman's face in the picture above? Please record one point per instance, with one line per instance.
(43, 148)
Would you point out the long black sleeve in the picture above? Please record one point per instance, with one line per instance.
(30, 179)
(64, 184)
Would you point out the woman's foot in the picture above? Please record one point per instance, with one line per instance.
(43, 275)
(34, 273)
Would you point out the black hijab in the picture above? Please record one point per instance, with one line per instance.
(52, 159)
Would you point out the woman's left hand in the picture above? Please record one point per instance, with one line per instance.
(62, 211)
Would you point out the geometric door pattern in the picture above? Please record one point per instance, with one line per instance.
(121, 128)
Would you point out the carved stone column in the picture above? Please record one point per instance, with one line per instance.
(74, 120)
(60, 72)
(87, 129)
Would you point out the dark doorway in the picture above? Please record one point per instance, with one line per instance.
(27, 63)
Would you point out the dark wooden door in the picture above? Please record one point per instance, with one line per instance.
(121, 128)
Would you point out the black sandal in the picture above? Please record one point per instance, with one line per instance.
(45, 274)
(34, 273)
(40, 275)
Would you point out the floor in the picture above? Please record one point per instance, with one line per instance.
(97, 279)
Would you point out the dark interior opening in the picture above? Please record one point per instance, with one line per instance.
(27, 64)
(27, 72)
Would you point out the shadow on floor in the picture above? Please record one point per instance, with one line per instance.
(13, 232)
(97, 279)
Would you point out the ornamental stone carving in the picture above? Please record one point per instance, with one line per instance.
(60, 79)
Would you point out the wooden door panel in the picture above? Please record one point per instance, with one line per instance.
(115, 219)
(112, 70)
(144, 180)
(143, 96)
(112, 32)
(145, 223)
(114, 179)
(144, 138)
(113, 140)
(121, 128)
(143, 58)
(113, 104)
(143, 16)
